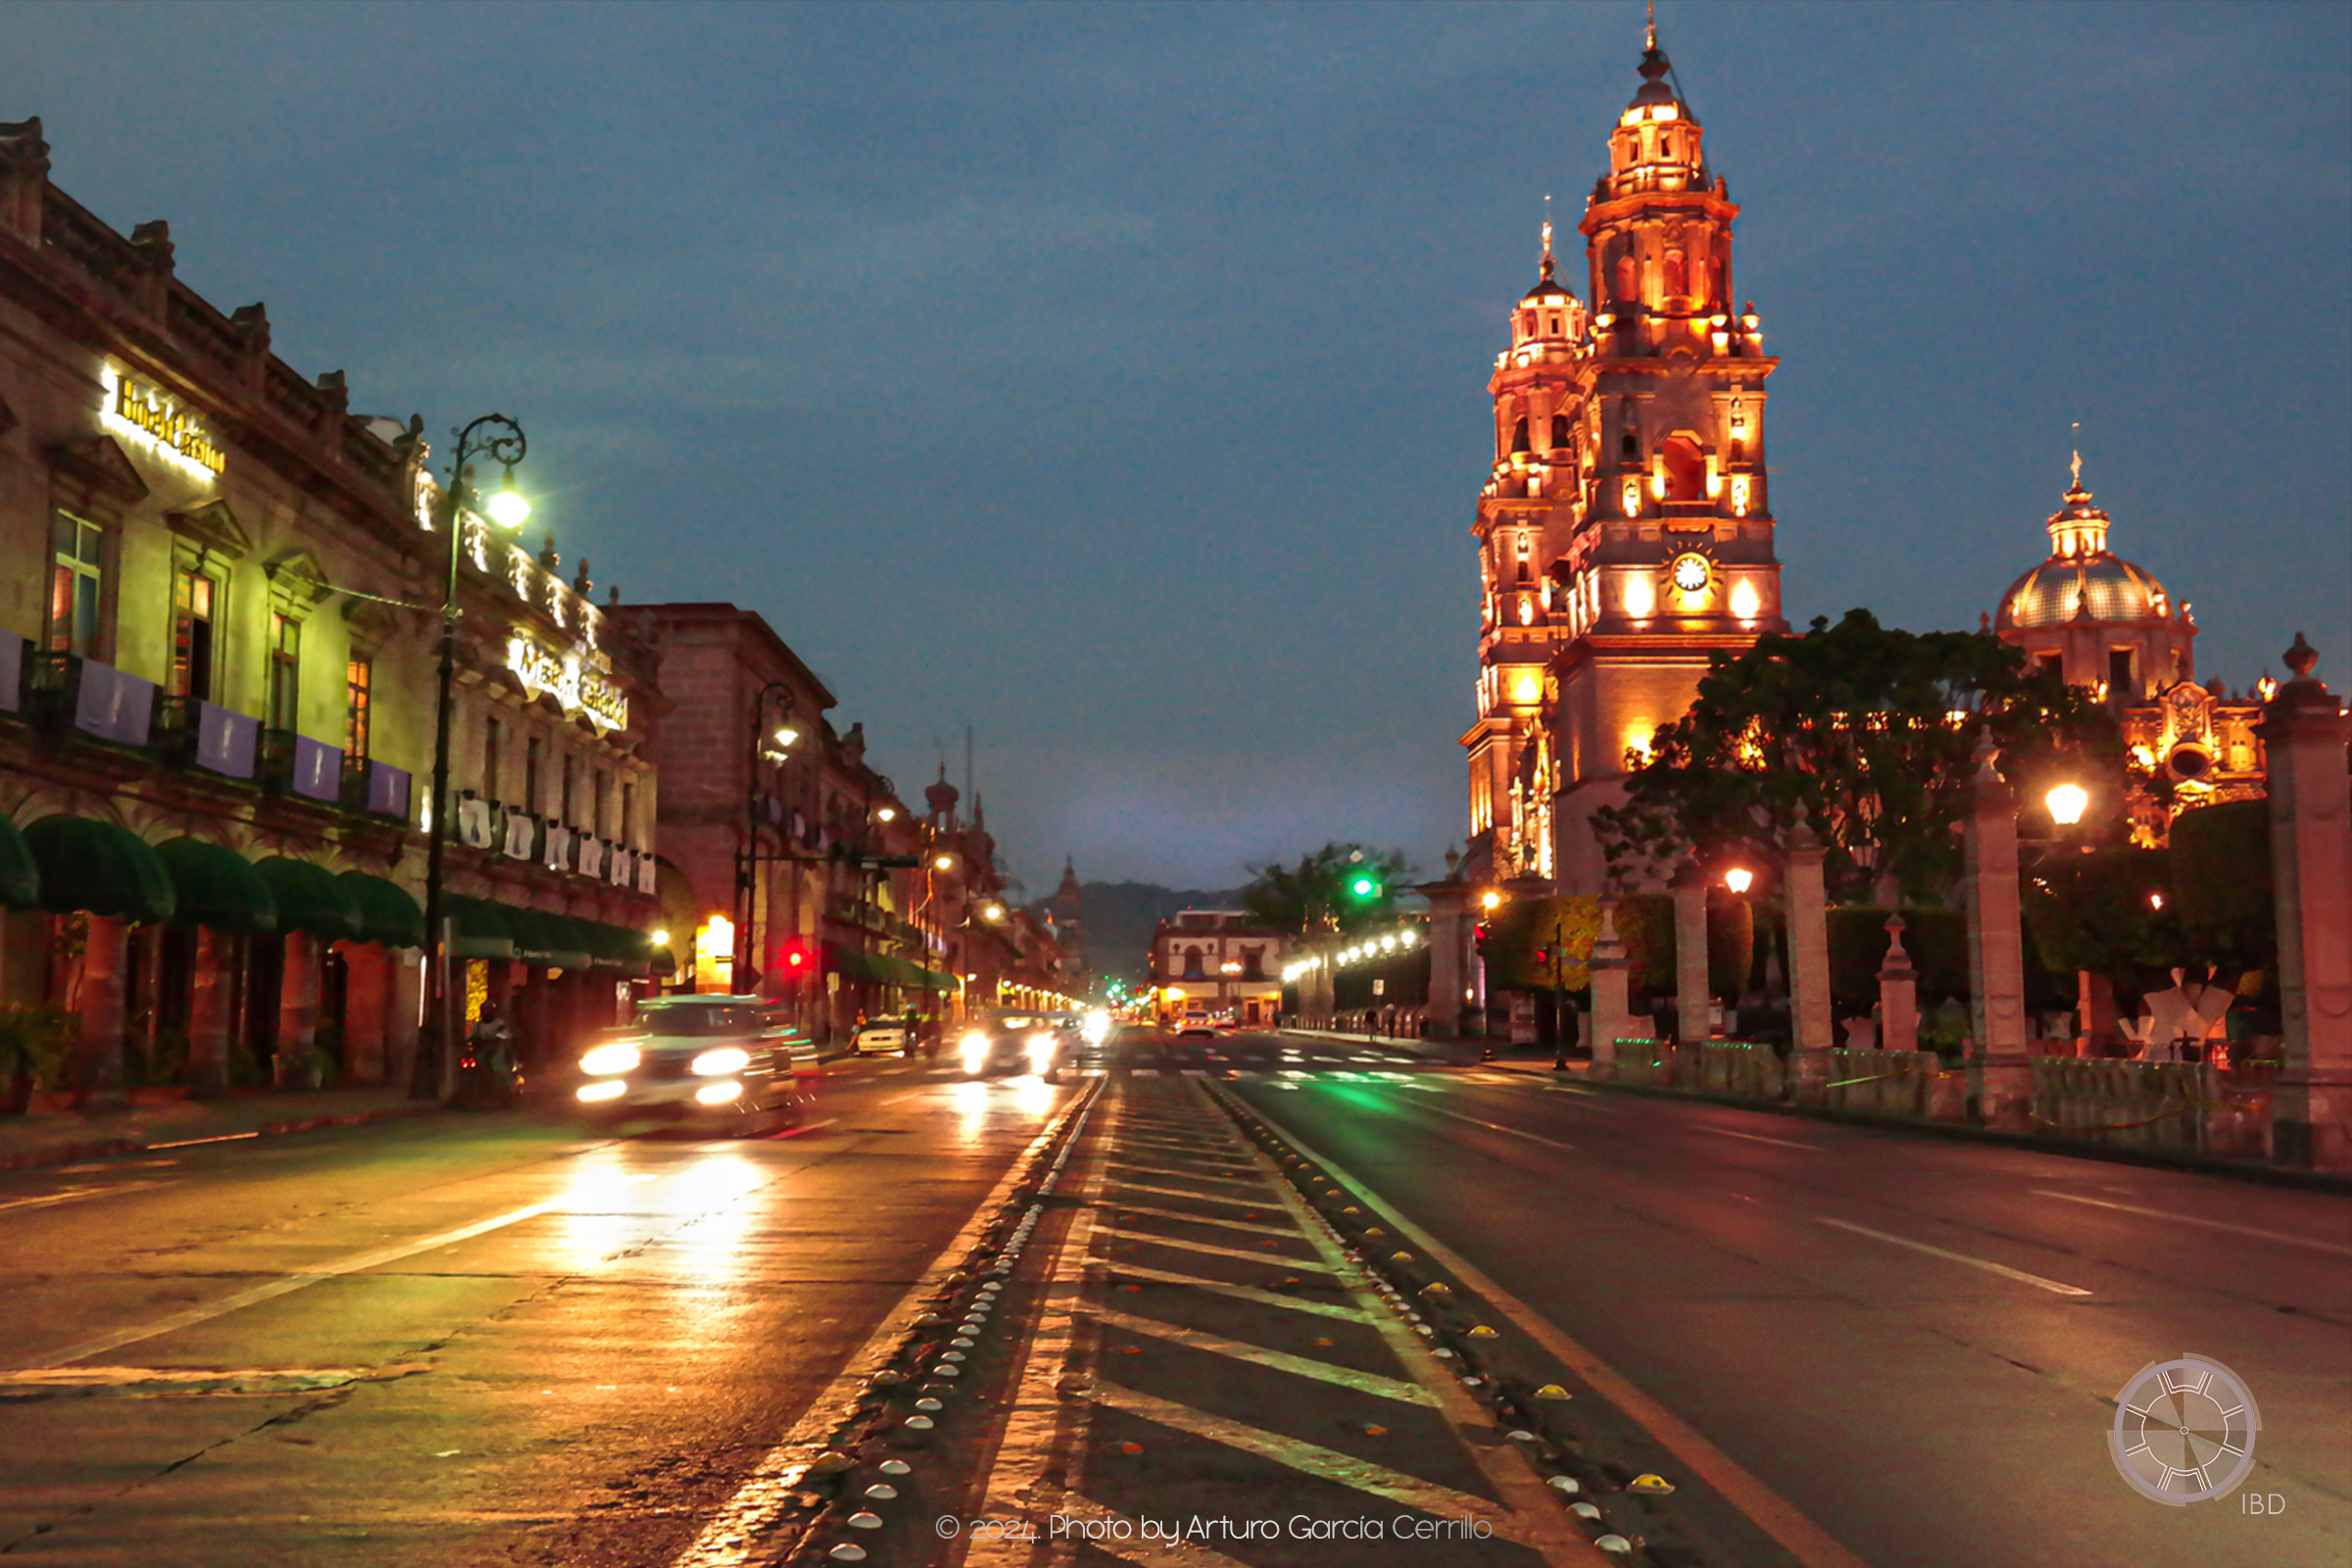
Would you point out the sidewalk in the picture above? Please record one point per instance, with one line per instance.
(154, 1121)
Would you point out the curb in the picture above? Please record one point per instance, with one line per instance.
(113, 1148)
(2031, 1143)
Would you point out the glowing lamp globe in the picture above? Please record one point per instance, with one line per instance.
(1739, 879)
(2066, 804)
(508, 508)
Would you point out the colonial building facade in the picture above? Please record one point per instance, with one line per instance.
(1625, 532)
(1218, 962)
(218, 635)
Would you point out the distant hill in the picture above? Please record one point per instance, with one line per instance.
(1119, 917)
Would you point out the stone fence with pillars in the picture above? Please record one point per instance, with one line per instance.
(2297, 1112)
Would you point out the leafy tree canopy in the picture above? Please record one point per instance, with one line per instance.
(1319, 893)
(1866, 734)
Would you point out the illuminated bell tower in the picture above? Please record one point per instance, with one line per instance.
(1629, 465)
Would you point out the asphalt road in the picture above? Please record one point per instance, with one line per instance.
(502, 1338)
(468, 1339)
(1915, 1343)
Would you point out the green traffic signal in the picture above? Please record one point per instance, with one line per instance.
(1364, 887)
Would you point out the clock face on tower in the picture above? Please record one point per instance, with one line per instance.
(1690, 573)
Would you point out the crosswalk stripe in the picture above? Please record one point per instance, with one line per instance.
(1212, 1249)
(1308, 1459)
(1199, 1197)
(1240, 1292)
(1204, 1219)
(1251, 1179)
(1298, 1365)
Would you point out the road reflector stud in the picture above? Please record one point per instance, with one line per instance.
(1657, 1486)
(1376, 1432)
(1437, 1288)
(1584, 1510)
(1522, 1435)
(1551, 1390)
(1374, 1230)
(830, 1463)
(928, 1404)
(919, 1422)
(1131, 1350)
(1131, 1448)
(1401, 1257)
(882, 1489)
(895, 1467)
(1327, 1341)
(1482, 1332)
(1562, 1483)
(862, 1520)
(1614, 1543)
(847, 1552)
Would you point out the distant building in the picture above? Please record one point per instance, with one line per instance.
(1220, 963)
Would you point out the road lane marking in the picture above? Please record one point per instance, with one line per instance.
(191, 1143)
(2168, 1215)
(803, 1129)
(728, 1540)
(290, 1283)
(1496, 1126)
(2002, 1269)
(1309, 1459)
(1139, 1166)
(1812, 1545)
(1240, 1292)
(71, 1194)
(1757, 1138)
(1145, 1239)
(1299, 1365)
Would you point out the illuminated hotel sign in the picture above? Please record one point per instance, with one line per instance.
(152, 420)
(577, 687)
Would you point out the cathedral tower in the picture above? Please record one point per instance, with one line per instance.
(1624, 533)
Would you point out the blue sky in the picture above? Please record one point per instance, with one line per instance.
(1110, 379)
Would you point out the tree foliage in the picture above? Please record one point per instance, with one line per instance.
(1864, 733)
(1314, 895)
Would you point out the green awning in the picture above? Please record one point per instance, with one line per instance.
(854, 964)
(217, 888)
(388, 916)
(622, 948)
(311, 898)
(98, 869)
(930, 979)
(543, 939)
(20, 872)
(478, 929)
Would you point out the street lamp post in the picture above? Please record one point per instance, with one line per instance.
(501, 440)
(747, 939)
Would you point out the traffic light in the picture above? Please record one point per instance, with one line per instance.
(1481, 935)
(1364, 887)
(1542, 957)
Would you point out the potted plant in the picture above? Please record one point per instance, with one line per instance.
(36, 1046)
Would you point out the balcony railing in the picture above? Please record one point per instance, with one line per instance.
(68, 692)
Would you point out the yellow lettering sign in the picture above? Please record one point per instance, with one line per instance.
(162, 426)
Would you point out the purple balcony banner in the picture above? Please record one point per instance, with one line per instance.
(387, 790)
(113, 706)
(227, 742)
(318, 770)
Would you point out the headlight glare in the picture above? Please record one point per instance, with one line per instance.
(610, 1089)
(605, 1060)
(719, 1094)
(725, 1060)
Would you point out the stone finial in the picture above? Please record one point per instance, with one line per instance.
(612, 594)
(581, 583)
(546, 554)
(2300, 658)
(1897, 960)
(154, 241)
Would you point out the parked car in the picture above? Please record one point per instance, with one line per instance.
(729, 1063)
(885, 1038)
(1004, 1040)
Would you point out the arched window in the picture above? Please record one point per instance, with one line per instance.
(1561, 431)
(1192, 964)
(1519, 436)
(1625, 278)
(1677, 283)
(1698, 278)
(1630, 443)
(1686, 470)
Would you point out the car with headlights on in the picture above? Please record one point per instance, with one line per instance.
(731, 1063)
(1006, 1040)
(889, 1038)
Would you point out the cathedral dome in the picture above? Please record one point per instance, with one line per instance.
(2083, 580)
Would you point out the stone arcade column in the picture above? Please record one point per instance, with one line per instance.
(1809, 1012)
(297, 1011)
(98, 998)
(2304, 732)
(367, 1009)
(406, 1001)
(212, 998)
(2000, 1082)
(1689, 887)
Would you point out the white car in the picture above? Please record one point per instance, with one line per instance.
(733, 1064)
(881, 1040)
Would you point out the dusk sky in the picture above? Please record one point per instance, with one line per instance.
(1111, 379)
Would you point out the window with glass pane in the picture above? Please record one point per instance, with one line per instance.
(533, 751)
(356, 676)
(74, 580)
(192, 596)
(285, 670)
